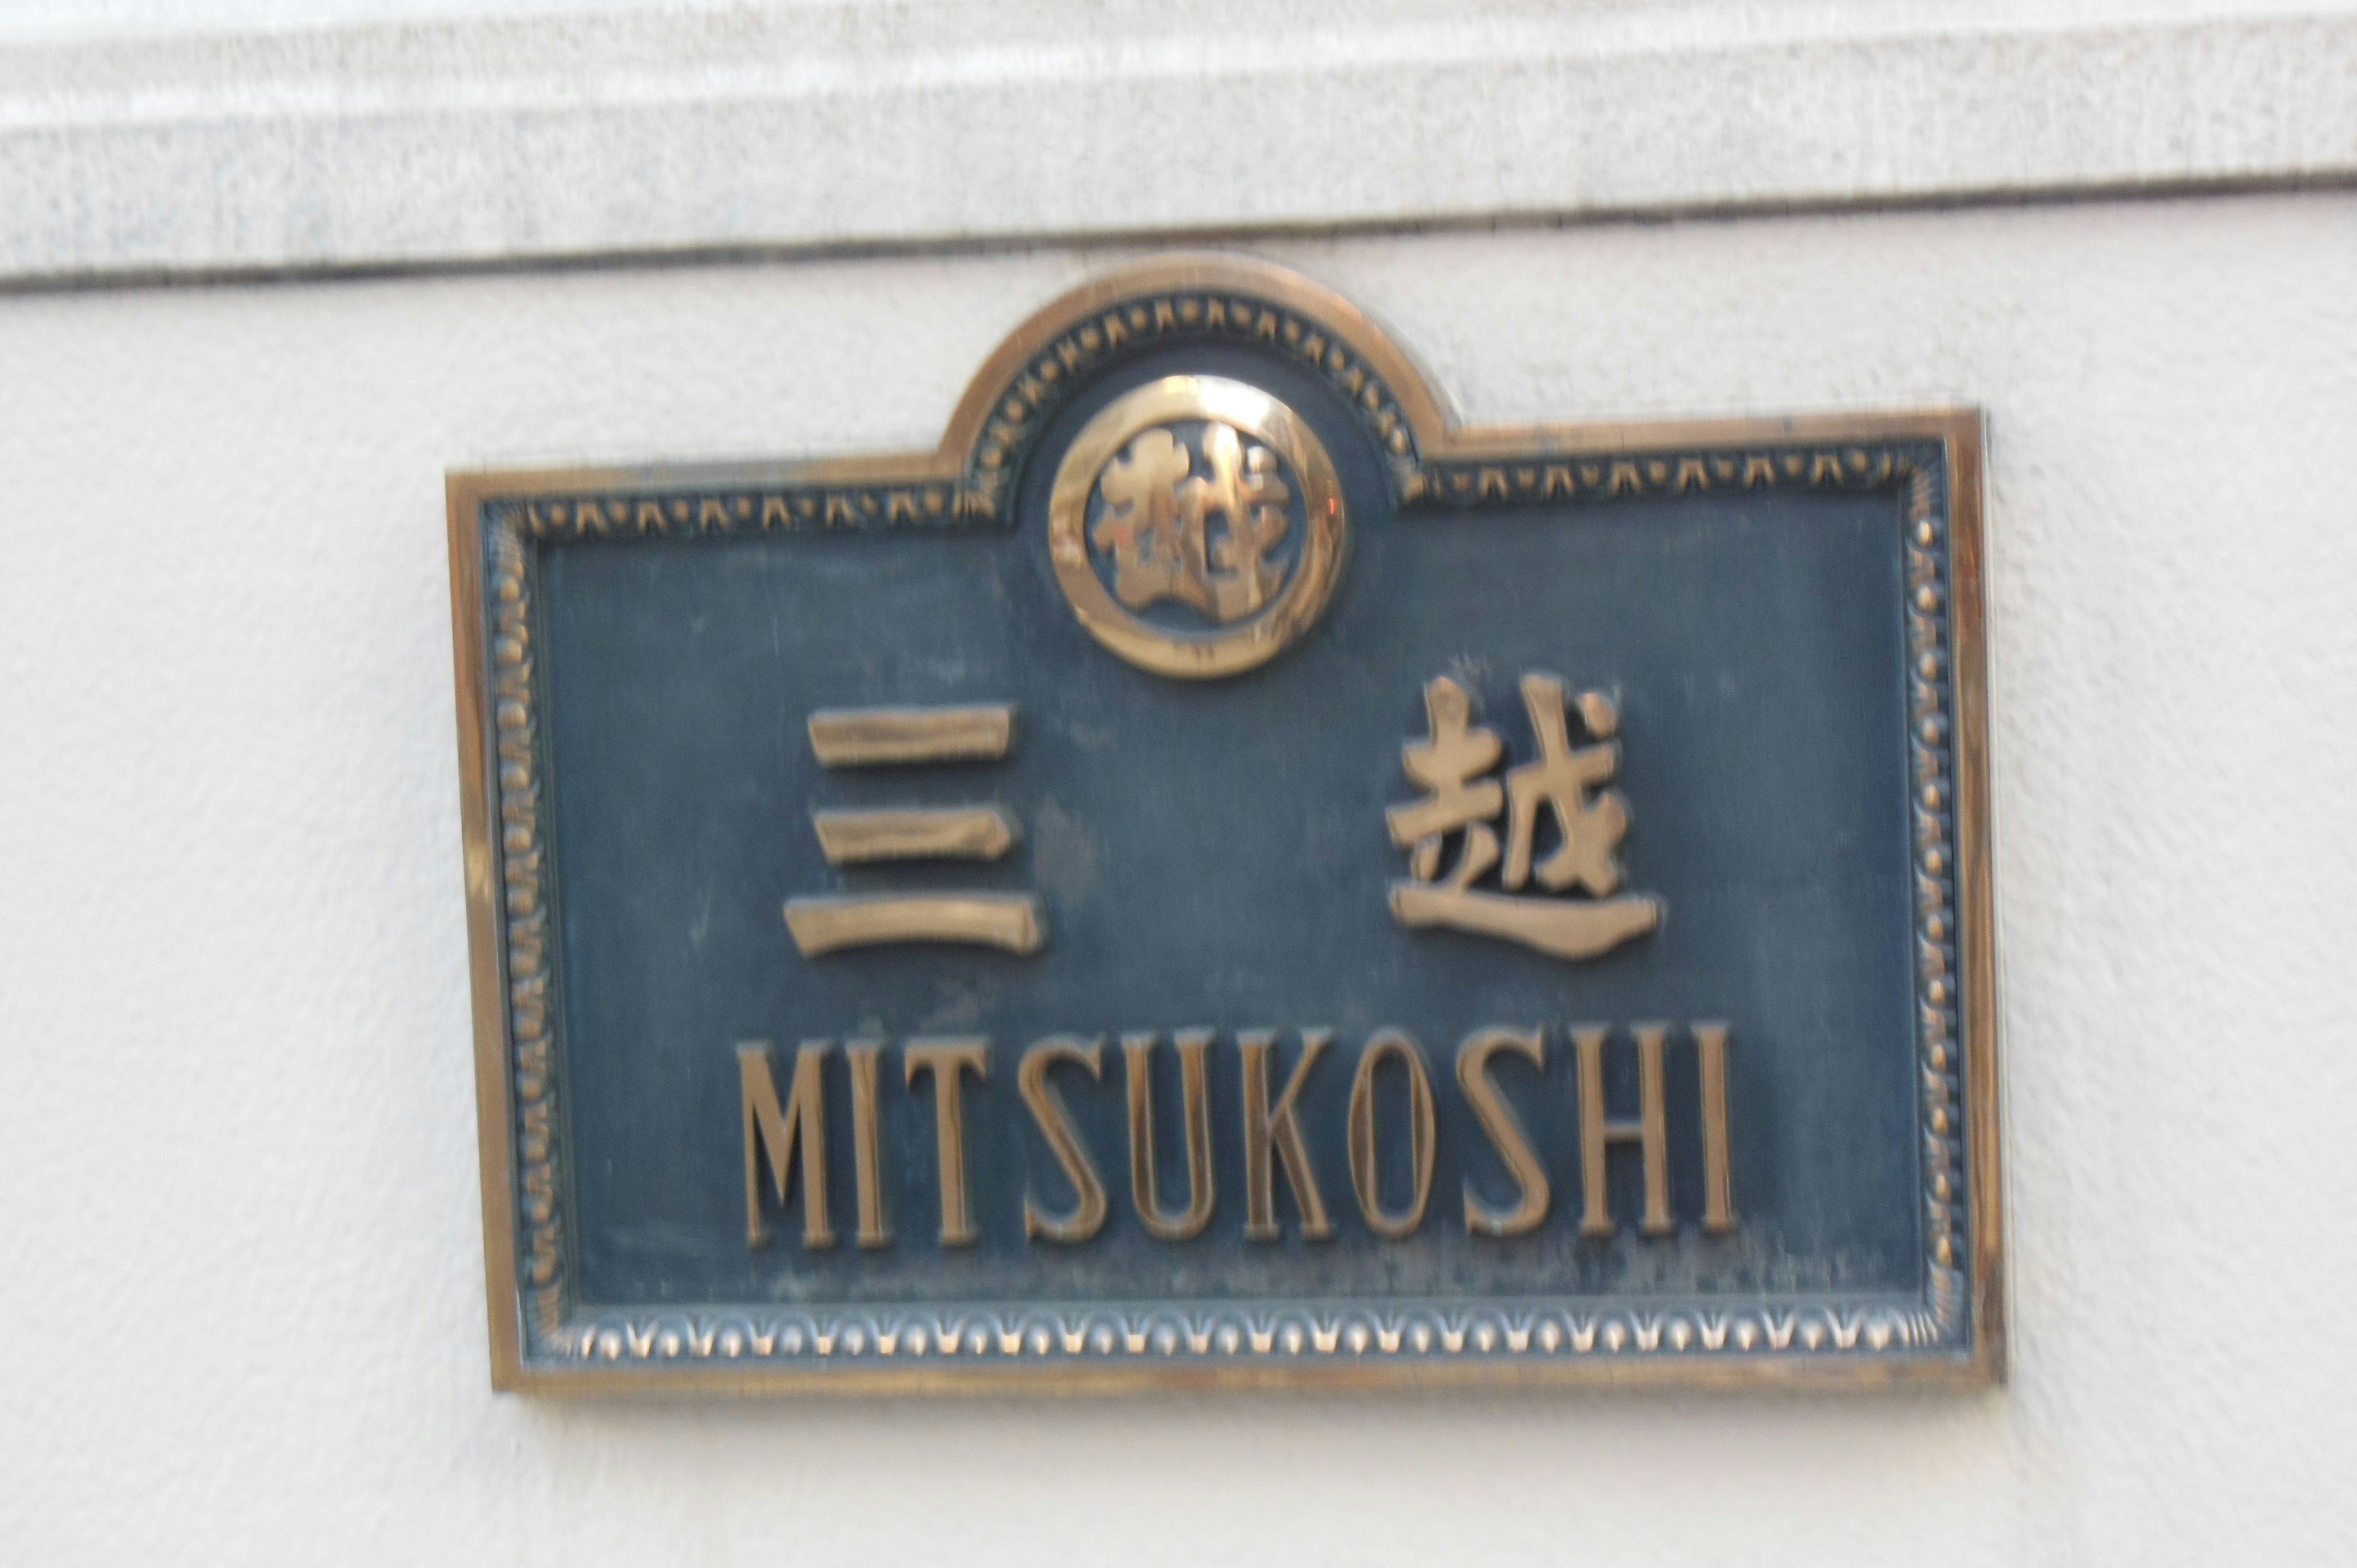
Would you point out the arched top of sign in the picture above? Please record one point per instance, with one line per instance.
(1047, 360)
(970, 477)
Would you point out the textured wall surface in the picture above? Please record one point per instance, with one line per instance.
(847, 123)
(242, 1315)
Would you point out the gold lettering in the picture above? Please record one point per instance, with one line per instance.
(1138, 1051)
(957, 833)
(1718, 1192)
(803, 1120)
(1055, 1121)
(1364, 1174)
(946, 1057)
(1277, 1129)
(1649, 1132)
(871, 737)
(875, 1229)
(1505, 1131)
(1460, 801)
(1010, 921)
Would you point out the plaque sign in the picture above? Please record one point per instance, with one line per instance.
(1221, 874)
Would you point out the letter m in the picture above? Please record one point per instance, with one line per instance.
(768, 1127)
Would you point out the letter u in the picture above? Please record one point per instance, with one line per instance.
(1194, 1045)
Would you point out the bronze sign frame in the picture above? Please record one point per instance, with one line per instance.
(496, 520)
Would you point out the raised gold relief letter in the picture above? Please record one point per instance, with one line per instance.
(1364, 1175)
(1278, 1130)
(1650, 1132)
(1460, 801)
(879, 738)
(1719, 1194)
(957, 833)
(767, 1127)
(1138, 1050)
(1055, 1123)
(867, 1164)
(1010, 921)
(945, 1058)
(1505, 1131)
(869, 737)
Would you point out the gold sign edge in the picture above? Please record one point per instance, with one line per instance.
(1438, 442)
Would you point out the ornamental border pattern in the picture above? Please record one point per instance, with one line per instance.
(528, 943)
(1257, 1331)
(1172, 1332)
(1606, 477)
(1931, 749)
(663, 511)
(660, 512)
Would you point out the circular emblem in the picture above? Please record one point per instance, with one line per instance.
(1196, 525)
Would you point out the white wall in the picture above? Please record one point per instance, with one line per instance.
(663, 129)
(241, 1307)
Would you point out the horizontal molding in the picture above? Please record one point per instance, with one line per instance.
(851, 124)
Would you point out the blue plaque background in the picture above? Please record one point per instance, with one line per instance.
(1215, 855)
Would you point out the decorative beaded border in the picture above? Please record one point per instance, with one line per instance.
(1167, 1332)
(1173, 1332)
(753, 508)
(1931, 747)
(529, 951)
(1609, 476)
(662, 513)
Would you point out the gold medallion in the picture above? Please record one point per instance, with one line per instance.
(1197, 526)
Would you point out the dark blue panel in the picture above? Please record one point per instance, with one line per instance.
(1215, 855)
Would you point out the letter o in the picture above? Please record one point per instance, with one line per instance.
(1420, 1139)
